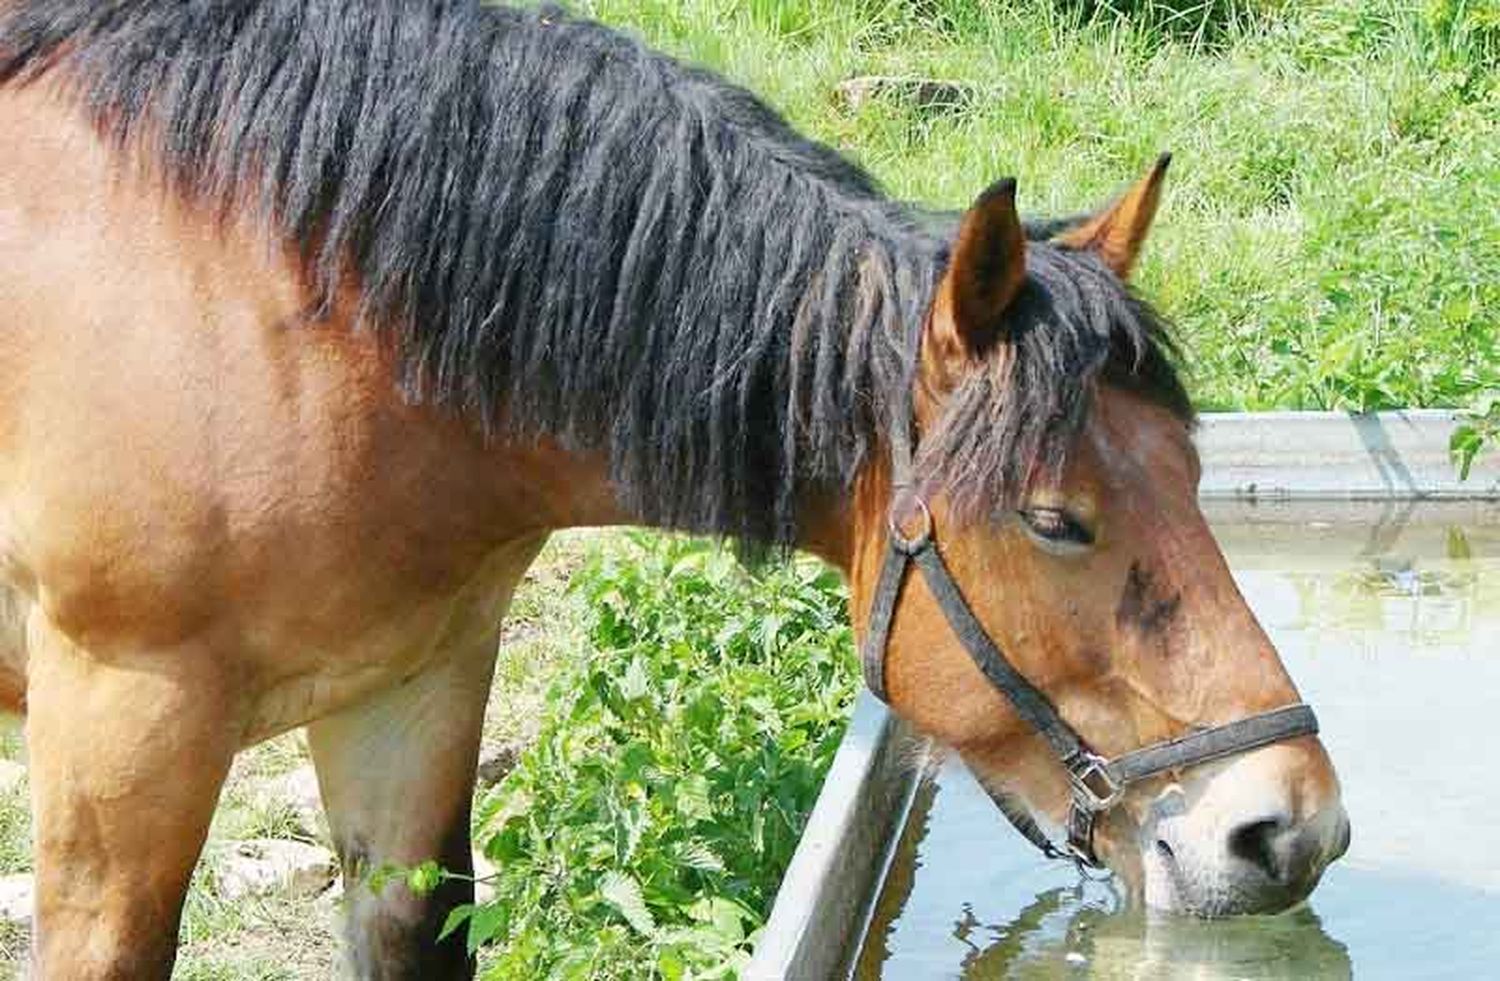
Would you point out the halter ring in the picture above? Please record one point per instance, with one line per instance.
(917, 542)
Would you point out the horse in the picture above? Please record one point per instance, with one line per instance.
(317, 316)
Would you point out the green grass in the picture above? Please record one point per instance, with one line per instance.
(1331, 233)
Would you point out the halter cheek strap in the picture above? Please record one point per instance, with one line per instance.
(1097, 784)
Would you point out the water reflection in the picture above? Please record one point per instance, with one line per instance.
(1063, 933)
(1403, 600)
(1394, 597)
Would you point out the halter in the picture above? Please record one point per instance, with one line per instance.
(1098, 784)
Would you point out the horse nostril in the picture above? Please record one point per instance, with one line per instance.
(1255, 842)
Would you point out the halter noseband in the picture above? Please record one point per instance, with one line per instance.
(1098, 784)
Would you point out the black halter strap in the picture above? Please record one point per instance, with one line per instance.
(1097, 783)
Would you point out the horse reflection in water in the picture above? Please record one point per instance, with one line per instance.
(1106, 943)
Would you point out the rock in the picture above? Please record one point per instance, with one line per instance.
(266, 866)
(12, 775)
(925, 94)
(332, 898)
(483, 869)
(17, 898)
(496, 761)
(298, 790)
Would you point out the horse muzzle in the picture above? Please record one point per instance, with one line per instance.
(1252, 836)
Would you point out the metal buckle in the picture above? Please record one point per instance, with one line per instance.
(1080, 844)
(1094, 790)
(917, 542)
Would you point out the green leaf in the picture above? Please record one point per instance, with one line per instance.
(634, 683)
(693, 803)
(423, 879)
(671, 965)
(485, 924)
(723, 916)
(1464, 446)
(382, 876)
(697, 854)
(624, 894)
(457, 917)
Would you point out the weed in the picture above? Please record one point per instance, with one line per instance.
(647, 828)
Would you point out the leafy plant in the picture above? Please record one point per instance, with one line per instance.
(645, 832)
(1481, 428)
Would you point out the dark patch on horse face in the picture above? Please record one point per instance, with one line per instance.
(1139, 608)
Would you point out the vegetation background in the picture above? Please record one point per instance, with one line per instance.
(1330, 238)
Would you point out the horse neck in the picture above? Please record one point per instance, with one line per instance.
(571, 489)
(829, 507)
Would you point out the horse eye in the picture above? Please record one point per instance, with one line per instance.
(1056, 525)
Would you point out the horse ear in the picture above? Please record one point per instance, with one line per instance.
(985, 272)
(1117, 233)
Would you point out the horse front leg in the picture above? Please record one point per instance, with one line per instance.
(397, 778)
(127, 755)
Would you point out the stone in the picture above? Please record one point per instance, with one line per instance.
(271, 866)
(298, 790)
(12, 775)
(496, 761)
(17, 898)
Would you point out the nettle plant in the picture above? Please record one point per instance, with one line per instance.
(1478, 432)
(646, 830)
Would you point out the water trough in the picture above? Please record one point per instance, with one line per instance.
(1388, 475)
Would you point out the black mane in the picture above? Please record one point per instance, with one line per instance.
(566, 234)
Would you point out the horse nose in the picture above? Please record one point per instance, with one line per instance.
(1264, 844)
(1290, 854)
(1253, 835)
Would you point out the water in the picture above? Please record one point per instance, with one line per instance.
(1390, 624)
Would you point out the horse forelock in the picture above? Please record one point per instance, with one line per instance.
(564, 233)
(1073, 327)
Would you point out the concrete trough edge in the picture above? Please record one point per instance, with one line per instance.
(1282, 462)
(1338, 456)
(824, 904)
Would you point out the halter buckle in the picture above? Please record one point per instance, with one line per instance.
(1094, 789)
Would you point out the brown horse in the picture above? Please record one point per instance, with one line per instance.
(316, 316)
